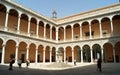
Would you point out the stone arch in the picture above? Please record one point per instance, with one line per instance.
(32, 52)
(68, 32)
(22, 51)
(76, 31)
(53, 33)
(47, 54)
(12, 20)
(95, 30)
(108, 52)
(3, 10)
(33, 26)
(86, 53)
(117, 51)
(60, 33)
(106, 27)
(77, 53)
(85, 30)
(53, 54)
(41, 29)
(69, 53)
(10, 49)
(40, 53)
(24, 24)
(96, 48)
(116, 25)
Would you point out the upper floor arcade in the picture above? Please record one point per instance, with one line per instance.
(17, 20)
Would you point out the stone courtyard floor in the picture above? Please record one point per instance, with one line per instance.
(61, 69)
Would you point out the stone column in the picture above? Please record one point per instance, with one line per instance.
(91, 55)
(72, 33)
(72, 55)
(3, 54)
(29, 26)
(27, 53)
(64, 55)
(100, 29)
(57, 34)
(50, 56)
(90, 31)
(16, 54)
(80, 32)
(102, 54)
(114, 58)
(111, 23)
(81, 56)
(6, 21)
(51, 33)
(18, 27)
(45, 31)
(44, 56)
(36, 56)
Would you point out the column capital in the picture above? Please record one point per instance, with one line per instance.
(3, 45)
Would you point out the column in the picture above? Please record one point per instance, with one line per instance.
(37, 30)
(44, 56)
(90, 31)
(100, 26)
(111, 23)
(45, 31)
(36, 56)
(6, 21)
(3, 54)
(72, 33)
(18, 28)
(16, 54)
(50, 56)
(29, 26)
(27, 53)
(81, 56)
(57, 34)
(64, 34)
(51, 33)
(56, 56)
(114, 58)
(102, 54)
(91, 55)
(73, 55)
(64, 55)
(80, 32)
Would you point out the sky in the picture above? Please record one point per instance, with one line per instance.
(64, 7)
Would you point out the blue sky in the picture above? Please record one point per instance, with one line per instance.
(64, 7)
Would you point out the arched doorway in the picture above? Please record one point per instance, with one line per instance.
(53, 54)
(69, 54)
(47, 54)
(117, 51)
(86, 54)
(108, 52)
(96, 51)
(60, 54)
(77, 53)
(40, 53)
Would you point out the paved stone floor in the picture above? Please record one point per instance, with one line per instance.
(107, 69)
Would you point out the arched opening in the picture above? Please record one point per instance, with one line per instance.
(77, 53)
(24, 24)
(106, 27)
(61, 34)
(69, 54)
(117, 51)
(2, 16)
(86, 53)
(76, 31)
(53, 54)
(47, 31)
(85, 30)
(41, 29)
(32, 52)
(47, 54)
(95, 30)
(53, 33)
(96, 52)
(1, 42)
(40, 53)
(22, 51)
(13, 20)
(108, 52)
(60, 54)
(33, 26)
(116, 25)
(68, 33)
(10, 50)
